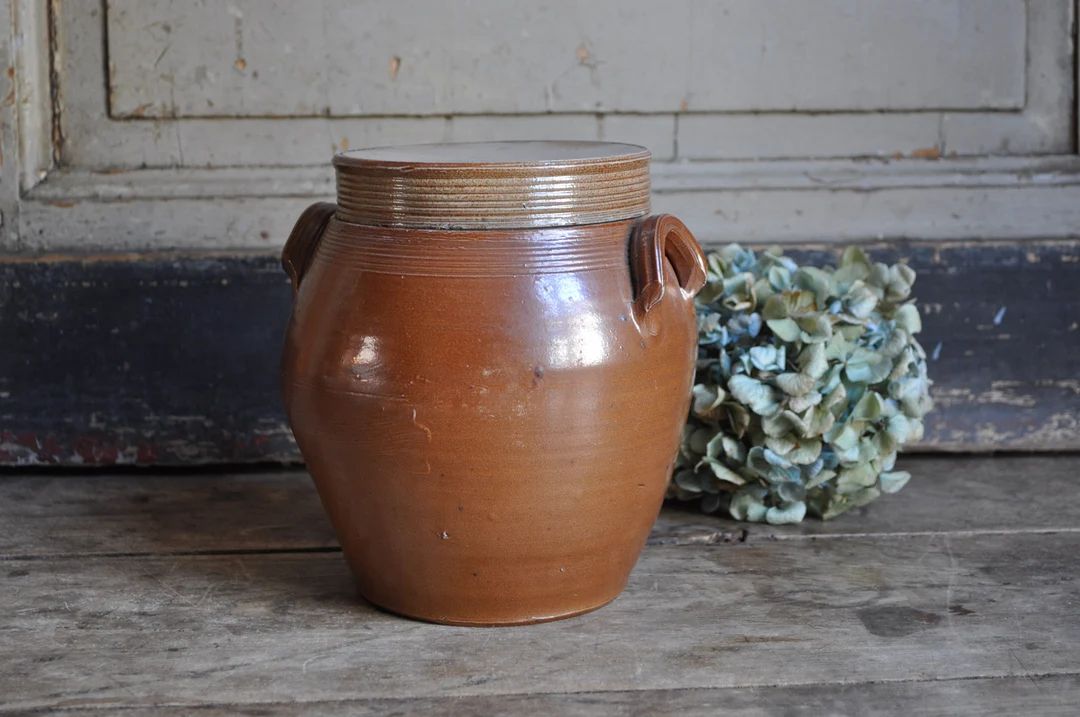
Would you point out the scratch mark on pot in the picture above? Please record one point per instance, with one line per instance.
(999, 316)
(421, 426)
(936, 353)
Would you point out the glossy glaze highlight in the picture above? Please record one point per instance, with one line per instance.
(490, 415)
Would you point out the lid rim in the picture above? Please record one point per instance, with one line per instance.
(556, 188)
(347, 158)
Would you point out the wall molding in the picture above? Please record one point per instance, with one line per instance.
(1017, 198)
(92, 202)
(667, 177)
(94, 140)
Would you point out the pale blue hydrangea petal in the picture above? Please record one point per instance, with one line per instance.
(819, 434)
(786, 514)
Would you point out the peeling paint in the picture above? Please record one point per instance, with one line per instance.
(927, 153)
(212, 395)
(962, 396)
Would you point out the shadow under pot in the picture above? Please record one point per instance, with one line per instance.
(487, 370)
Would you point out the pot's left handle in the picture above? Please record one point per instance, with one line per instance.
(300, 248)
(655, 241)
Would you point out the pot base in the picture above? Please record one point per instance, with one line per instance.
(489, 623)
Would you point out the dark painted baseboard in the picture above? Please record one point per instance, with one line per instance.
(173, 359)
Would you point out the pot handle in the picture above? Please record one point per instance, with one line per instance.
(300, 248)
(657, 239)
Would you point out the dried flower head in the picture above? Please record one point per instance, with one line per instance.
(808, 382)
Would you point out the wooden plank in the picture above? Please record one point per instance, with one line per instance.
(31, 147)
(94, 141)
(953, 494)
(170, 360)
(128, 514)
(93, 514)
(173, 359)
(317, 182)
(737, 136)
(1001, 198)
(1043, 127)
(656, 131)
(853, 215)
(1049, 112)
(261, 58)
(762, 216)
(9, 121)
(276, 628)
(995, 697)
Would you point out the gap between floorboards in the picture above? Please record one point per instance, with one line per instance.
(672, 690)
(724, 537)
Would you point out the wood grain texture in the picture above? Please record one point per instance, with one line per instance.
(340, 59)
(9, 139)
(188, 630)
(144, 514)
(95, 141)
(1048, 695)
(187, 349)
(789, 201)
(174, 359)
(947, 493)
(911, 606)
(57, 515)
(1001, 330)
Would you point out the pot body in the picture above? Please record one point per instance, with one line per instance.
(491, 416)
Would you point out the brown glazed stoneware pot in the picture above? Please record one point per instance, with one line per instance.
(487, 370)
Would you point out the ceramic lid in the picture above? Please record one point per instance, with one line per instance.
(493, 185)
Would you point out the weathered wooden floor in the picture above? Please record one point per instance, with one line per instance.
(960, 595)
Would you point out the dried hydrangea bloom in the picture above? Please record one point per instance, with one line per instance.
(808, 382)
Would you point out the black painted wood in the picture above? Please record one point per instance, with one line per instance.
(173, 359)
(142, 359)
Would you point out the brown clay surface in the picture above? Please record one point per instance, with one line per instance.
(488, 185)
(490, 416)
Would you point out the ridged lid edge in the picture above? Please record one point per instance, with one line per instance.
(545, 190)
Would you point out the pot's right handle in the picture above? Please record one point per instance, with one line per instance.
(300, 248)
(657, 239)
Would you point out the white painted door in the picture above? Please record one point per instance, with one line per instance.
(786, 120)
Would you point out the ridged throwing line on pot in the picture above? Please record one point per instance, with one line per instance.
(455, 188)
(499, 252)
